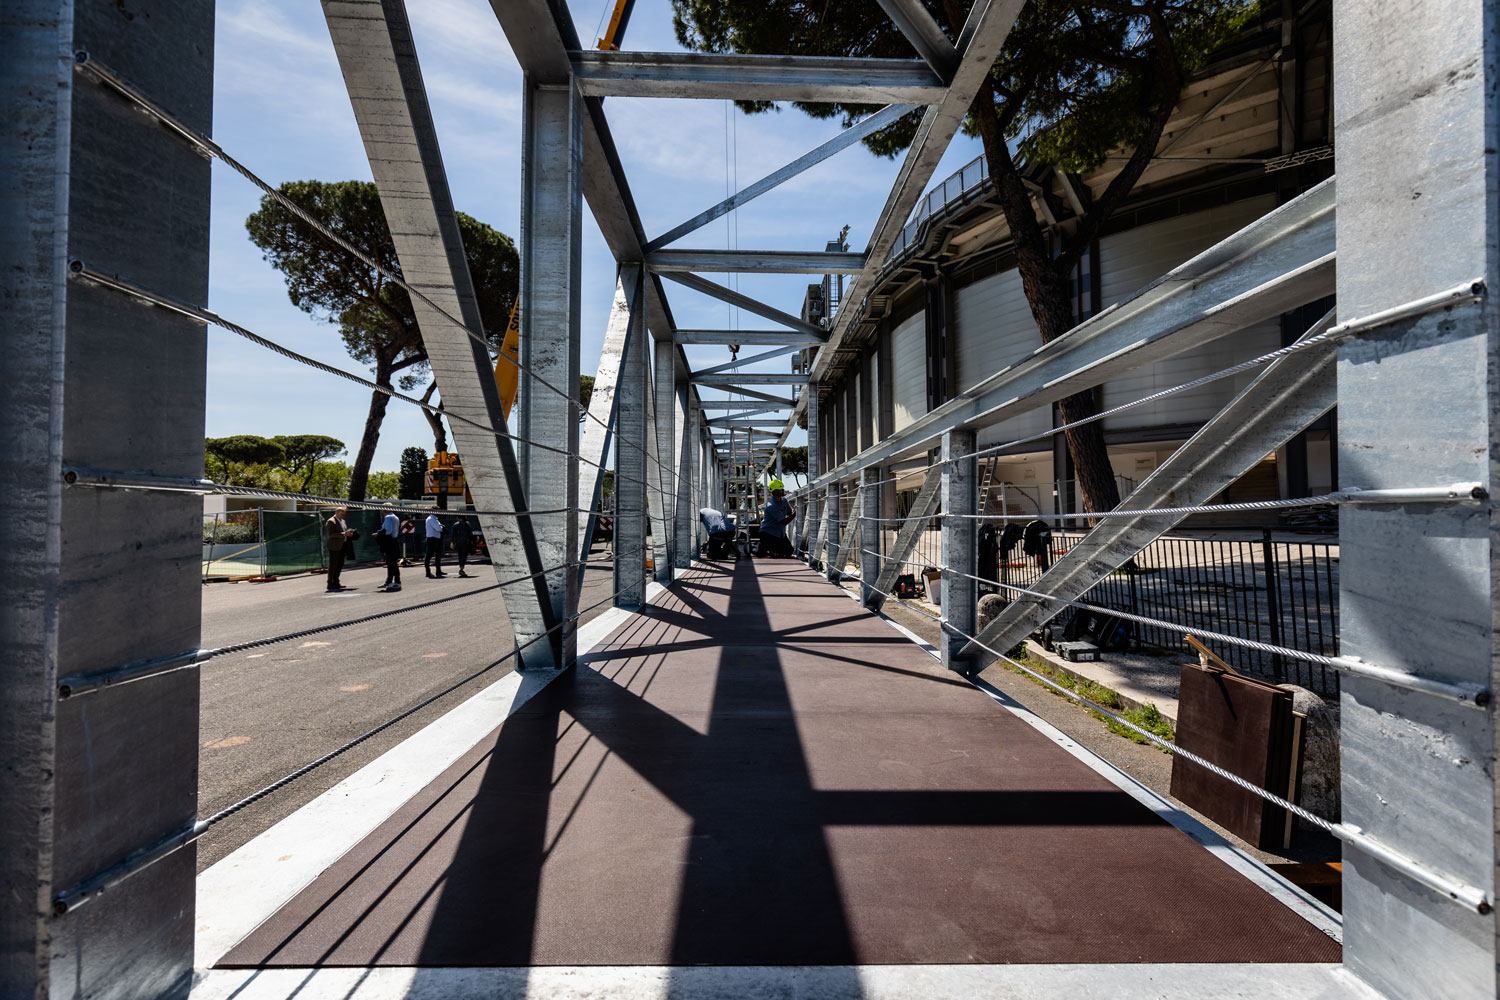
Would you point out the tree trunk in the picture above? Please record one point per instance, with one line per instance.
(359, 475)
(435, 420)
(1044, 279)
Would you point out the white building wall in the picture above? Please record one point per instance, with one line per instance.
(995, 330)
(1131, 260)
(909, 370)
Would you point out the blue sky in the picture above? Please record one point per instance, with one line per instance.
(280, 108)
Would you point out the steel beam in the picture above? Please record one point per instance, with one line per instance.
(630, 463)
(736, 417)
(1277, 263)
(747, 337)
(748, 360)
(757, 398)
(745, 302)
(879, 120)
(598, 433)
(979, 42)
(960, 591)
(1280, 403)
(923, 34)
(735, 77)
(379, 64)
(922, 508)
(750, 378)
(738, 424)
(756, 261)
(1416, 105)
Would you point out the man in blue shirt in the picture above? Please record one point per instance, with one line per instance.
(720, 532)
(433, 564)
(779, 513)
(390, 546)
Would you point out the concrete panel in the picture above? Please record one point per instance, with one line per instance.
(94, 579)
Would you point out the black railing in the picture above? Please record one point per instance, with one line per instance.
(1267, 589)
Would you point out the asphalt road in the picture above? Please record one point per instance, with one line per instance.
(268, 711)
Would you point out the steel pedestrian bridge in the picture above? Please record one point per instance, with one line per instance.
(737, 781)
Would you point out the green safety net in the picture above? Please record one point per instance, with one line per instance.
(294, 541)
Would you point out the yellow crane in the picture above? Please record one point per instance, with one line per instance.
(444, 471)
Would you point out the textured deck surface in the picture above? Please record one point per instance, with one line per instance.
(757, 772)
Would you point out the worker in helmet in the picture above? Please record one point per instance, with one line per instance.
(779, 514)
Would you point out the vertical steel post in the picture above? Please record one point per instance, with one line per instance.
(551, 226)
(1418, 165)
(960, 555)
(91, 579)
(664, 400)
(833, 530)
(630, 462)
(659, 493)
(811, 518)
(684, 544)
(869, 531)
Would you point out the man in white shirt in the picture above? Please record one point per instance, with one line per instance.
(433, 564)
(390, 545)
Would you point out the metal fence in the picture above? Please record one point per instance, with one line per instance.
(1267, 589)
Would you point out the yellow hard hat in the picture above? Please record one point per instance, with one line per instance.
(777, 484)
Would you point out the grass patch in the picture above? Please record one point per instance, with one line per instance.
(1148, 718)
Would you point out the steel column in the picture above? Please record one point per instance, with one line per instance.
(1418, 166)
(687, 512)
(597, 433)
(869, 532)
(656, 486)
(698, 498)
(630, 463)
(960, 500)
(811, 522)
(833, 564)
(551, 226)
(378, 61)
(664, 410)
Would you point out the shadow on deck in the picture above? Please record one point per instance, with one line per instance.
(756, 771)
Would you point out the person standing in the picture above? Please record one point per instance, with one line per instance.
(463, 541)
(339, 537)
(779, 514)
(433, 564)
(390, 544)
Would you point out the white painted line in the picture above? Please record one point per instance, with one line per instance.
(869, 982)
(1315, 912)
(240, 892)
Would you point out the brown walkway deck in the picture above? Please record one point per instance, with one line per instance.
(758, 772)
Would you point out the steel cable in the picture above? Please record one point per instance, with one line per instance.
(81, 892)
(90, 67)
(209, 316)
(1460, 892)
